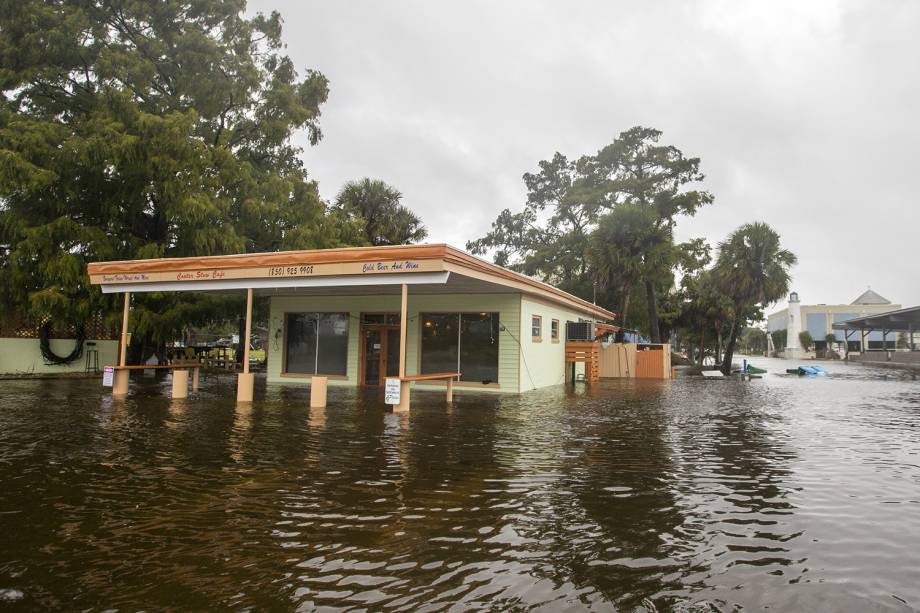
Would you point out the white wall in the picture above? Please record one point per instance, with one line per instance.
(22, 356)
(543, 363)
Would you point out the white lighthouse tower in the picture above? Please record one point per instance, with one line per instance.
(793, 327)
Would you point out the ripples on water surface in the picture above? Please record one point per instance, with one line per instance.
(691, 495)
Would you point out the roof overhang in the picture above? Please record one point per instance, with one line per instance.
(332, 269)
(424, 278)
(902, 320)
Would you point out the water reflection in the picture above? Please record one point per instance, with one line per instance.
(694, 495)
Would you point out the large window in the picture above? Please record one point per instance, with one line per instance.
(317, 343)
(461, 342)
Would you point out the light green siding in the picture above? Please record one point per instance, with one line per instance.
(507, 305)
(543, 363)
(23, 356)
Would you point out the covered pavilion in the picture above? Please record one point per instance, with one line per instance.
(901, 320)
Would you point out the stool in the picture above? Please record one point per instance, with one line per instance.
(92, 358)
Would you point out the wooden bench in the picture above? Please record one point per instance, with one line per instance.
(407, 379)
(179, 382)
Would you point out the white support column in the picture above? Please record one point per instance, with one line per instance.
(403, 333)
(123, 345)
(403, 328)
(244, 381)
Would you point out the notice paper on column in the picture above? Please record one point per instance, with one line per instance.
(391, 391)
(108, 376)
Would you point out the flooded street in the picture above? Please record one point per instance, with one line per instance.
(785, 492)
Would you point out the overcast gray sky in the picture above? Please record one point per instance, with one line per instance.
(805, 115)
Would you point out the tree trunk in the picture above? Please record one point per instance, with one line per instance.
(730, 348)
(702, 344)
(626, 296)
(719, 344)
(652, 300)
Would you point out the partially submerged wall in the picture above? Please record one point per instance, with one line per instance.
(23, 356)
(506, 305)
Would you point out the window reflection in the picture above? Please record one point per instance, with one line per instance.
(464, 342)
(317, 343)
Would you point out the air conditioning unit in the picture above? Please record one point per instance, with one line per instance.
(579, 331)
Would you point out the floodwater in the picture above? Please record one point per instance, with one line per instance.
(786, 493)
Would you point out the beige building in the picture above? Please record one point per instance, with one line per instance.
(818, 319)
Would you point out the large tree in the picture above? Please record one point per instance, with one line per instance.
(377, 208)
(626, 243)
(136, 129)
(549, 237)
(636, 169)
(752, 271)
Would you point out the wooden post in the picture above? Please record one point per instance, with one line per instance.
(196, 378)
(120, 384)
(244, 380)
(403, 330)
(450, 390)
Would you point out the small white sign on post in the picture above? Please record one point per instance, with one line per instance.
(391, 391)
(108, 376)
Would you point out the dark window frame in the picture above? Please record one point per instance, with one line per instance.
(285, 372)
(422, 315)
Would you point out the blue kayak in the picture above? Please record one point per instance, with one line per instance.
(812, 371)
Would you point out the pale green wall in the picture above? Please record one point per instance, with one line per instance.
(543, 363)
(507, 305)
(20, 356)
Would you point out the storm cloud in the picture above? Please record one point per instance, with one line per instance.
(805, 115)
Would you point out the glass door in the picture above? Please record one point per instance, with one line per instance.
(379, 347)
(392, 352)
(373, 350)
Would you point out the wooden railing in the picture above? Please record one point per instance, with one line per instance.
(587, 353)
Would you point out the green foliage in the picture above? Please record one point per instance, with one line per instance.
(703, 309)
(806, 340)
(753, 340)
(626, 245)
(779, 339)
(549, 238)
(376, 209)
(752, 271)
(137, 129)
(830, 339)
(554, 238)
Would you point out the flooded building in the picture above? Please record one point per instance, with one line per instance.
(431, 315)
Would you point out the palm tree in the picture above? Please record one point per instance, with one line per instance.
(379, 206)
(753, 271)
(626, 246)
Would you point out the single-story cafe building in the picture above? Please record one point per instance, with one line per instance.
(356, 316)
